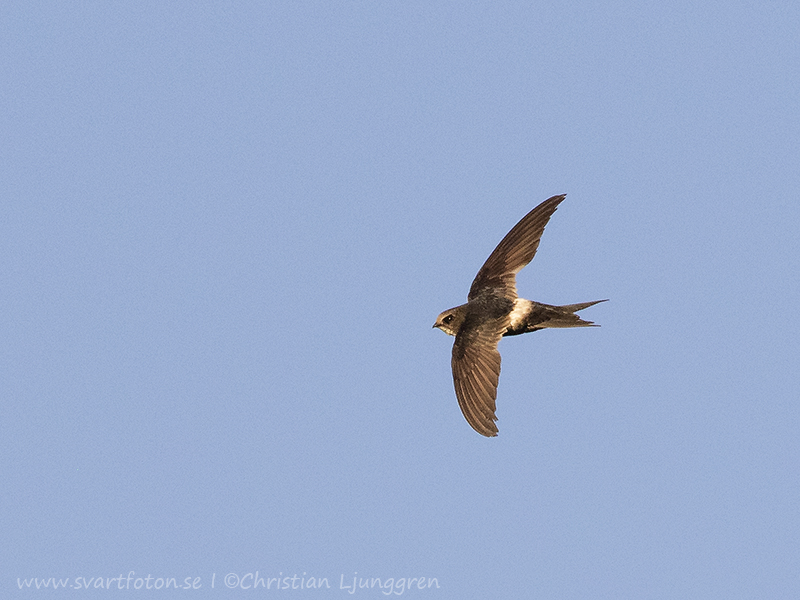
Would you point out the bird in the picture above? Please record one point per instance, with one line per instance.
(494, 310)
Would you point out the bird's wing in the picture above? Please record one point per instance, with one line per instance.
(476, 370)
(515, 251)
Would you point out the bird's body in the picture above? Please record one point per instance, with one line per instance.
(493, 310)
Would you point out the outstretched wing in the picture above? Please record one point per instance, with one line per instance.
(476, 371)
(498, 273)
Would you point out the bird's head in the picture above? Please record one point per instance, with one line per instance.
(450, 320)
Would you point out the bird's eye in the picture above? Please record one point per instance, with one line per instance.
(448, 319)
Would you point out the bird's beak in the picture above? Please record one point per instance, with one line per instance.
(435, 325)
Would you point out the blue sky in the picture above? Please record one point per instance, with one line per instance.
(228, 228)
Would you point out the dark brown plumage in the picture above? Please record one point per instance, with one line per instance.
(494, 310)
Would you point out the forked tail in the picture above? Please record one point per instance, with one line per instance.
(564, 316)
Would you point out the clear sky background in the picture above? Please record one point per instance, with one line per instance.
(227, 228)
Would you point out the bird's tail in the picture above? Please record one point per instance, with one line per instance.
(564, 316)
